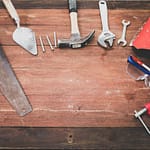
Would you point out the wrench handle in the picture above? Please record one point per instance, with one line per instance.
(104, 14)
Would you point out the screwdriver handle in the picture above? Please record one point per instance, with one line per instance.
(133, 60)
(147, 106)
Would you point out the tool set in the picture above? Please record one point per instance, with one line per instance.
(25, 37)
(141, 112)
(105, 39)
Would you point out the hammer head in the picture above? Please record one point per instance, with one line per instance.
(76, 41)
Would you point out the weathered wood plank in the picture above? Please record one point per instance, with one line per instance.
(62, 4)
(79, 85)
(74, 111)
(74, 138)
(87, 86)
(84, 88)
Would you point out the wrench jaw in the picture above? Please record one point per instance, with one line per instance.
(106, 40)
(101, 41)
(124, 43)
(110, 42)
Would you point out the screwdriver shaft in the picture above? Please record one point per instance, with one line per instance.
(141, 120)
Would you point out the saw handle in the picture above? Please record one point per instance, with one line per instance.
(12, 11)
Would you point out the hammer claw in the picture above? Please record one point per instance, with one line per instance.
(74, 43)
(106, 40)
(75, 40)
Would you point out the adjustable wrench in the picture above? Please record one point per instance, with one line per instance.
(122, 39)
(106, 38)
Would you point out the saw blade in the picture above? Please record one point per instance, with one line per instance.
(11, 87)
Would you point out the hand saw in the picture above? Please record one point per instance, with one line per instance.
(11, 88)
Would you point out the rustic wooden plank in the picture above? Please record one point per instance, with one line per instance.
(80, 85)
(74, 88)
(74, 138)
(66, 118)
(62, 4)
(70, 86)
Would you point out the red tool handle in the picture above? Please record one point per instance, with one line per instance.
(147, 106)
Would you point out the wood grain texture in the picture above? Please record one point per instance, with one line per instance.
(74, 138)
(88, 87)
(85, 88)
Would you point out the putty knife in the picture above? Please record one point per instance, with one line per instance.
(23, 36)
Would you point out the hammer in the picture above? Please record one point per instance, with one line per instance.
(75, 40)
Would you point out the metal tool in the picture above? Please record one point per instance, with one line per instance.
(139, 64)
(42, 45)
(141, 112)
(123, 37)
(55, 39)
(106, 38)
(25, 37)
(138, 70)
(49, 42)
(11, 88)
(75, 41)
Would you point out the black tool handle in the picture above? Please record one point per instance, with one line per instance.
(72, 5)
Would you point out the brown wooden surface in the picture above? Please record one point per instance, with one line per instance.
(74, 138)
(88, 87)
(61, 4)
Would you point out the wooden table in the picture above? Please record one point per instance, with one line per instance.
(81, 98)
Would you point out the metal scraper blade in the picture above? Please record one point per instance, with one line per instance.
(25, 37)
(11, 88)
